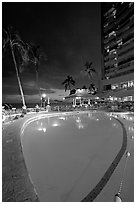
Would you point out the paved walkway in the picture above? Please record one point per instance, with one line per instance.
(16, 184)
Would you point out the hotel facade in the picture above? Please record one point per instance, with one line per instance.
(117, 47)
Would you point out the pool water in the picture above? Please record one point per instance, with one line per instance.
(66, 156)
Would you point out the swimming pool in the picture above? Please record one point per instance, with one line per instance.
(68, 154)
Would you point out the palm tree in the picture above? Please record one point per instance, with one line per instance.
(84, 87)
(13, 40)
(92, 89)
(35, 56)
(89, 69)
(68, 82)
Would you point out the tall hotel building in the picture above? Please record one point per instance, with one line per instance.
(118, 50)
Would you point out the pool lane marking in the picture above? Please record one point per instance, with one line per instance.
(101, 184)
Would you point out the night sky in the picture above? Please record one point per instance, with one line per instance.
(69, 34)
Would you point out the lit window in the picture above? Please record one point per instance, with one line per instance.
(125, 98)
(106, 25)
(113, 50)
(129, 98)
(115, 65)
(120, 43)
(124, 85)
(130, 4)
(114, 86)
(130, 83)
(112, 33)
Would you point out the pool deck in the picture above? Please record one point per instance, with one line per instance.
(17, 185)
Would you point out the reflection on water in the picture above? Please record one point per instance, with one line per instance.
(115, 125)
(80, 121)
(130, 129)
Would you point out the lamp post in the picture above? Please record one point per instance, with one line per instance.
(43, 100)
(48, 107)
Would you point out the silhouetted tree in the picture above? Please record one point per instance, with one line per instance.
(68, 82)
(11, 40)
(89, 70)
(73, 91)
(36, 54)
(92, 89)
(84, 87)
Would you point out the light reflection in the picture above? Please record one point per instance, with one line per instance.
(44, 129)
(91, 116)
(62, 118)
(131, 129)
(115, 125)
(79, 123)
(80, 126)
(56, 124)
(39, 129)
(78, 120)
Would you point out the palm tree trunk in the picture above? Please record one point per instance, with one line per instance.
(37, 81)
(69, 86)
(18, 78)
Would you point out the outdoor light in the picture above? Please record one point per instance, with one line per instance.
(127, 154)
(44, 95)
(44, 129)
(117, 198)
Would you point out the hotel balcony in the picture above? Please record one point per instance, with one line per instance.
(125, 50)
(129, 56)
(120, 72)
(109, 39)
(121, 34)
(128, 64)
(110, 62)
(122, 9)
(120, 31)
(126, 15)
(110, 57)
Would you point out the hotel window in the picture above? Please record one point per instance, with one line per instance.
(123, 85)
(114, 86)
(130, 83)
(112, 33)
(125, 99)
(129, 98)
